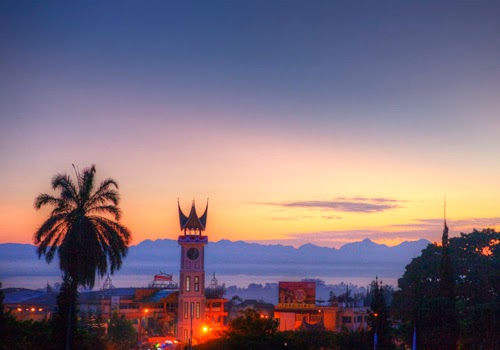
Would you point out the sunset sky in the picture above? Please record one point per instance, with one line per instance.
(322, 122)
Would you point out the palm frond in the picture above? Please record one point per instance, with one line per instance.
(52, 238)
(63, 208)
(103, 253)
(86, 183)
(94, 258)
(48, 225)
(44, 199)
(49, 256)
(116, 238)
(116, 234)
(105, 193)
(71, 249)
(107, 209)
(67, 187)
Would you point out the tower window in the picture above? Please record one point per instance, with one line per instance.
(186, 310)
(197, 310)
(188, 283)
(196, 284)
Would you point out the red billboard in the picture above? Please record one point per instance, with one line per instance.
(297, 295)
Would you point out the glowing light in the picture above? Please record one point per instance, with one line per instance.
(205, 329)
(19, 309)
(32, 309)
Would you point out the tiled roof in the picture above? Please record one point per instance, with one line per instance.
(17, 295)
(193, 221)
(121, 292)
(156, 297)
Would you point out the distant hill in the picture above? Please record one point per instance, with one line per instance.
(363, 259)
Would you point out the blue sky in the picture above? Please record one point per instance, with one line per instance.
(254, 102)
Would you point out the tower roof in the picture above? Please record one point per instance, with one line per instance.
(193, 221)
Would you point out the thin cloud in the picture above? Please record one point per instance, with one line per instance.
(331, 217)
(465, 225)
(430, 229)
(343, 204)
(288, 218)
(366, 199)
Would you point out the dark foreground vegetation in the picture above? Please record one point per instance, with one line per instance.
(88, 335)
(453, 292)
(251, 332)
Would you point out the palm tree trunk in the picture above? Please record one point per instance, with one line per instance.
(70, 326)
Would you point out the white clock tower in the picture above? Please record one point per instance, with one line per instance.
(192, 300)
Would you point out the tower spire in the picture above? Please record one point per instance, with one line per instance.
(445, 230)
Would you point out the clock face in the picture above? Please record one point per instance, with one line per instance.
(193, 253)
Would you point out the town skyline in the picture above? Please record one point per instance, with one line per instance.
(321, 123)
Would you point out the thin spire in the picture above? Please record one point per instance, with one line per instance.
(445, 229)
(445, 209)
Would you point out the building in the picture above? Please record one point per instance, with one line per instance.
(26, 304)
(266, 310)
(297, 310)
(152, 310)
(215, 314)
(201, 310)
(192, 299)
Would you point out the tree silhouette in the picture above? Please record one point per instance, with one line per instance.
(83, 230)
(422, 298)
(446, 327)
(379, 317)
(121, 332)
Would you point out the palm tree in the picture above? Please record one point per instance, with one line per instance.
(83, 230)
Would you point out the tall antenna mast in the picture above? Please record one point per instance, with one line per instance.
(445, 230)
(445, 208)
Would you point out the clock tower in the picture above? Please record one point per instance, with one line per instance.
(192, 275)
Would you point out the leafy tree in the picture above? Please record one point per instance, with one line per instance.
(299, 340)
(65, 317)
(84, 231)
(121, 332)
(24, 335)
(2, 307)
(93, 324)
(475, 262)
(446, 329)
(251, 331)
(379, 320)
(236, 300)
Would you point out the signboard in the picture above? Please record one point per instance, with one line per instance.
(163, 277)
(297, 295)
